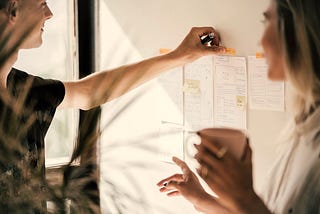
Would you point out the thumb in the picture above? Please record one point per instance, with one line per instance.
(215, 49)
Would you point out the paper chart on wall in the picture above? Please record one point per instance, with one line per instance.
(230, 88)
(198, 94)
(263, 93)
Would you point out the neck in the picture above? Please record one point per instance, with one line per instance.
(5, 69)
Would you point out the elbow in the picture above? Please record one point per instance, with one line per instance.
(86, 107)
(87, 103)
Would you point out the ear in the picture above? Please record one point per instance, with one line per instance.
(12, 10)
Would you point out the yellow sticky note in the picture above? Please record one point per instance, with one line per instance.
(191, 86)
(241, 102)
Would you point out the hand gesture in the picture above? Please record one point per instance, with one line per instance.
(188, 186)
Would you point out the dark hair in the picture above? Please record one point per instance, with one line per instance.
(298, 25)
(3, 4)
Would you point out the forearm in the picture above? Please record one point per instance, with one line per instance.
(100, 87)
(111, 84)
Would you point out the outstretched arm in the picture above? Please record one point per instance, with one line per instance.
(101, 87)
(188, 186)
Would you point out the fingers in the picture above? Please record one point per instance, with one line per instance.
(193, 47)
(212, 178)
(169, 187)
(216, 49)
(215, 44)
(201, 31)
(206, 159)
(179, 162)
(164, 189)
(184, 167)
(172, 187)
(174, 193)
(175, 177)
(208, 144)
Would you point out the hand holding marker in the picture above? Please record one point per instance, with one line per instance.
(208, 40)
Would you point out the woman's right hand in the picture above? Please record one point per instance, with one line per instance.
(191, 48)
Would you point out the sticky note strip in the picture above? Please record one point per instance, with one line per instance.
(164, 50)
(191, 86)
(259, 55)
(230, 51)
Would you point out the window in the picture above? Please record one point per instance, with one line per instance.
(56, 59)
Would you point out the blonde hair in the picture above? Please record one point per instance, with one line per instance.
(299, 30)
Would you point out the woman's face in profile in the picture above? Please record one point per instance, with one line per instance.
(270, 42)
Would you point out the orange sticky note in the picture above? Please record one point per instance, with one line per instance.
(164, 50)
(230, 51)
(259, 55)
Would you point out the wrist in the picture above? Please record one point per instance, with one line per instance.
(252, 204)
(182, 56)
(204, 202)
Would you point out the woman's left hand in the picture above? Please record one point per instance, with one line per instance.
(188, 186)
(229, 178)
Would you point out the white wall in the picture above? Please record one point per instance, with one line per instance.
(132, 30)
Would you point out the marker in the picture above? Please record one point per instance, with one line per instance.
(207, 39)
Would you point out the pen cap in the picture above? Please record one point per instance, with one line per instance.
(233, 140)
